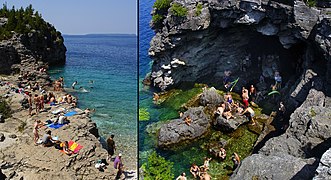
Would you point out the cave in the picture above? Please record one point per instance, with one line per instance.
(214, 51)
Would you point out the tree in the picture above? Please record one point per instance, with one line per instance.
(157, 168)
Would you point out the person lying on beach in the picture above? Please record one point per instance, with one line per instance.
(188, 120)
(47, 139)
(65, 147)
(195, 170)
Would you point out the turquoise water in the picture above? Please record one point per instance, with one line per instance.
(110, 61)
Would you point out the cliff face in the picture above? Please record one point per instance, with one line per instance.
(249, 38)
(30, 48)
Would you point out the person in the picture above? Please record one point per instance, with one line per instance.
(228, 98)
(155, 98)
(30, 103)
(222, 154)
(206, 163)
(37, 124)
(47, 139)
(111, 146)
(235, 160)
(188, 120)
(220, 109)
(180, 113)
(65, 147)
(62, 119)
(37, 103)
(228, 115)
(281, 110)
(181, 177)
(278, 80)
(252, 93)
(245, 96)
(118, 165)
(205, 176)
(249, 112)
(41, 102)
(74, 84)
(195, 170)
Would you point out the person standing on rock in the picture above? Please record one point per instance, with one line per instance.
(30, 103)
(37, 124)
(36, 102)
(249, 112)
(41, 101)
(245, 96)
(111, 146)
(118, 165)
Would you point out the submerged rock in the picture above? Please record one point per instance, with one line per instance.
(177, 130)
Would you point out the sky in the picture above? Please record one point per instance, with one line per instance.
(85, 16)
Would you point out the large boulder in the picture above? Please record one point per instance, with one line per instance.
(177, 130)
(231, 124)
(281, 166)
(210, 96)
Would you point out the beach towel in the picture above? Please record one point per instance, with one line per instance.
(75, 147)
(71, 113)
(54, 126)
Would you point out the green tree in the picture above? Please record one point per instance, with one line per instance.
(162, 4)
(178, 10)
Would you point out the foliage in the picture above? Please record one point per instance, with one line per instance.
(312, 112)
(143, 114)
(5, 109)
(156, 18)
(162, 4)
(157, 168)
(24, 21)
(22, 126)
(311, 3)
(198, 10)
(178, 10)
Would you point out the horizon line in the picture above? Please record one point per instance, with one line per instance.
(118, 34)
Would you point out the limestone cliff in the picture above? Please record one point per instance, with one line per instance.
(247, 37)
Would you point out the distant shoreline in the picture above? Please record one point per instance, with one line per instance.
(98, 35)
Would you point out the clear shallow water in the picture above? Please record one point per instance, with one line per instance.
(111, 62)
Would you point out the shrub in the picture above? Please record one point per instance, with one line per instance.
(178, 10)
(162, 4)
(311, 3)
(198, 10)
(143, 114)
(157, 168)
(5, 109)
(156, 18)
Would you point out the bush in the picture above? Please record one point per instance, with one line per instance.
(157, 168)
(5, 109)
(156, 18)
(162, 4)
(198, 10)
(311, 3)
(143, 114)
(178, 10)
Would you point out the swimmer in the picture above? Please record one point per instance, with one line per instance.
(74, 84)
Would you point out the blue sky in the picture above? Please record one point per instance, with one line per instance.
(85, 16)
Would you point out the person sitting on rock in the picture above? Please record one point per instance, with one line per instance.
(220, 109)
(235, 160)
(188, 120)
(65, 147)
(228, 115)
(47, 139)
(222, 154)
(229, 99)
(249, 113)
(195, 170)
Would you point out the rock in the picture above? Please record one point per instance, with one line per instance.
(177, 130)
(323, 170)
(210, 96)
(280, 166)
(2, 137)
(13, 136)
(231, 124)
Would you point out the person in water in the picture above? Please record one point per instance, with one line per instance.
(182, 177)
(195, 170)
(74, 84)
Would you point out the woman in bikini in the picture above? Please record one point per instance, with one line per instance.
(195, 170)
(36, 126)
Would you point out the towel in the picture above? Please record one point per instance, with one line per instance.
(75, 147)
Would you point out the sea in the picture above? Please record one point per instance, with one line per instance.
(105, 67)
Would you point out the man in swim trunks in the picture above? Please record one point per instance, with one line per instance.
(249, 112)
(111, 146)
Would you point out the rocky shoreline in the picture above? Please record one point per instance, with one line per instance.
(20, 158)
